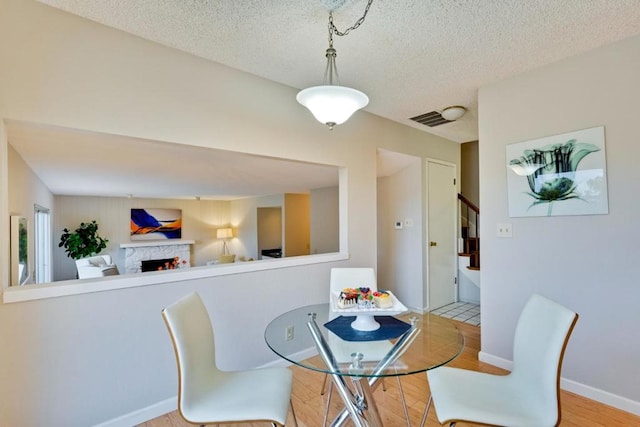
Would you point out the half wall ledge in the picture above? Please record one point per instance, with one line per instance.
(16, 294)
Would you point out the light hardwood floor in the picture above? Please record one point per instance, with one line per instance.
(309, 404)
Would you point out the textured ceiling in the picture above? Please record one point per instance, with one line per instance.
(410, 57)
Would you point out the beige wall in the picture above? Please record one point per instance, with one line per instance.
(585, 262)
(469, 175)
(86, 359)
(296, 225)
(244, 220)
(324, 220)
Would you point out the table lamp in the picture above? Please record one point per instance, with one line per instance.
(224, 233)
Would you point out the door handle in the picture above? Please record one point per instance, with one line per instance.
(433, 243)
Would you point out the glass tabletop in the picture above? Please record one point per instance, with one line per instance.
(421, 343)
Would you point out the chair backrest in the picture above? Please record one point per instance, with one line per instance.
(227, 259)
(192, 337)
(541, 336)
(352, 278)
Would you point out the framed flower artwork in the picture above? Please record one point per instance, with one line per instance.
(558, 175)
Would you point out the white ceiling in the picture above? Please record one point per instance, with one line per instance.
(410, 56)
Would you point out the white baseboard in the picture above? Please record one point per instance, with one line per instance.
(601, 396)
(301, 355)
(495, 360)
(142, 415)
(583, 390)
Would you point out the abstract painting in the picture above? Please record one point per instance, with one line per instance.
(156, 224)
(558, 175)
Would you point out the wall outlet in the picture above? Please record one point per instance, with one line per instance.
(504, 230)
(408, 222)
(288, 333)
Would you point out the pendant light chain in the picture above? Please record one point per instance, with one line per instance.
(331, 72)
(333, 104)
(334, 30)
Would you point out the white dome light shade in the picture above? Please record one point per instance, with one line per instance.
(453, 113)
(332, 105)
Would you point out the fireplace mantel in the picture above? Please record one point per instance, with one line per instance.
(144, 243)
(145, 250)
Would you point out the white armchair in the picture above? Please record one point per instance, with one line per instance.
(96, 266)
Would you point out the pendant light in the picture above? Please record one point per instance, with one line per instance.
(331, 103)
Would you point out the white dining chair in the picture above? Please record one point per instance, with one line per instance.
(207, 395)
(526, 397)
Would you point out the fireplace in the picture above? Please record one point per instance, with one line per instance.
(155, 264)
(138, 254)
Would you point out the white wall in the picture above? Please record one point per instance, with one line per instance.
(85, 359)
(585, 262)
(26, 190)
(400, 252)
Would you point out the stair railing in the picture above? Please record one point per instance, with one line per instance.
(469, 231)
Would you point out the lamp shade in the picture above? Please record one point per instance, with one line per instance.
(224, 233)
(331, 104)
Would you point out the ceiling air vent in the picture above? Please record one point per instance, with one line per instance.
(431, 119)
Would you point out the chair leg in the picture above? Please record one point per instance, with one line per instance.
(404, 403)
(426, 412)
(295, 420)
(324, 383)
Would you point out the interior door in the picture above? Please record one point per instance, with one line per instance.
(441, 237)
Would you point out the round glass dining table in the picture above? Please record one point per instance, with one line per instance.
(404, 344)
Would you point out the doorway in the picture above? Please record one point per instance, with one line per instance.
(441, 288)
(269, 232)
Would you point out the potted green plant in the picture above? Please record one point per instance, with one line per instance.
(83, 242)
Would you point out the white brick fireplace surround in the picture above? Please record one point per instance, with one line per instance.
(136, 252)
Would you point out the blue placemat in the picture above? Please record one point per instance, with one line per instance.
(390, 327)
